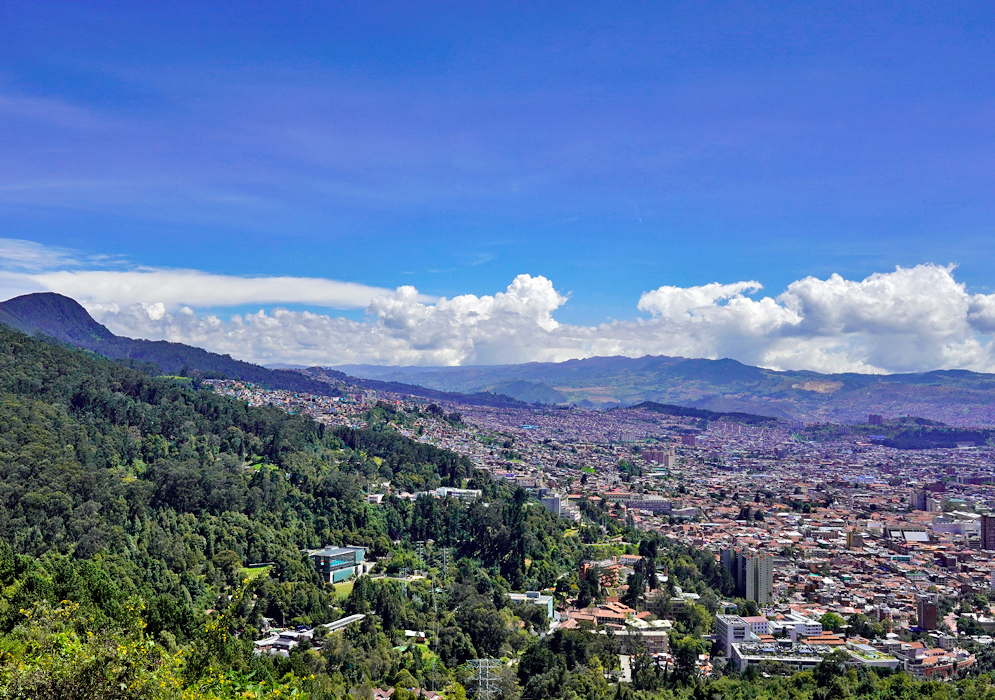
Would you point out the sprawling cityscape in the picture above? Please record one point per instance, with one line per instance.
(814, 532)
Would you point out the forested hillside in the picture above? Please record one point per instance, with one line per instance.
(142, 500)
(63, 319)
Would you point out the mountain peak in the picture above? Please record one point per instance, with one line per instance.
(55, 315)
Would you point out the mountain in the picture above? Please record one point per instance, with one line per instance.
(955, 397)
(65, 320)
(54, 315)
(530, 392)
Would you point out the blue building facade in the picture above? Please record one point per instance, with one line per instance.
(335, 564)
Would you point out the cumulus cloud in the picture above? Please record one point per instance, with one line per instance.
(911, 319)
(678, 301)
(511, 326)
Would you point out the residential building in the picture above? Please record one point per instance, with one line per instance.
(988, 532)
(753, 573)
(926, 611)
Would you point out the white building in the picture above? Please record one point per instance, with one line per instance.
(758, 624)
(796, 626)
(732, 629)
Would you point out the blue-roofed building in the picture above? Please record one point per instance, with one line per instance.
(335, 564)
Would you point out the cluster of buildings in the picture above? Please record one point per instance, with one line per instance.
(799, 643)
(280, 642)
(331, 410)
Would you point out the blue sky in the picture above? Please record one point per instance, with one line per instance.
(610, 149)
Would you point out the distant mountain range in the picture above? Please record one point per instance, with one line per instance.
(955, 397)
(65, 320)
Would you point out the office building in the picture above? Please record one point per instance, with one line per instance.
(758, 623)
(336, 564)
(553, 503)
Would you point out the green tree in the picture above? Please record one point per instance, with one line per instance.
(832, 622)
(634, 592)
(685, 651)
(831, 666)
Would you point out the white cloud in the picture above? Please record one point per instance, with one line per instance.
(510, 326)
(911, 319)
(175, 288)
(28, 256)
(677, 301)
(26, 266)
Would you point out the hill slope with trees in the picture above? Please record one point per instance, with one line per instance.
(141, 501)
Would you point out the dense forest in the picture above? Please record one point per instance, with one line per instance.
(129, 502)
(149, 530)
